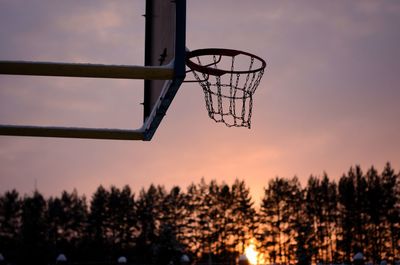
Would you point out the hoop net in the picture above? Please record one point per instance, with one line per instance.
(229, 79)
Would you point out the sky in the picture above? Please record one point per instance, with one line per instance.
(329, 98)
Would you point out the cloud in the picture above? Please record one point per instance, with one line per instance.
(90, 31)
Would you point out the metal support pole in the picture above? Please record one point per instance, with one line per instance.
(71, 132)
(87, 70)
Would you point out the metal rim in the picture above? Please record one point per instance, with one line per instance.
(220, 52)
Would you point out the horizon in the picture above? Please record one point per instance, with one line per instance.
(257, 201)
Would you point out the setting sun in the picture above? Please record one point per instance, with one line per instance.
(253, 256)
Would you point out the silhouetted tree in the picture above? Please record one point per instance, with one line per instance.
(375, 209)
(204, 218)
(97, 225)
(295, 199)
(173, 222)
(56, 217)
(321, 203)
(391, 206)
(67, 221)
(10, 223)
(330, 189)
(347, 198)
(121, 221)
(34, 229)
(360, 216)
(149, 215)
(243, 214)
(193, 233)
(276, 219)
(302, 227)
(174, 219)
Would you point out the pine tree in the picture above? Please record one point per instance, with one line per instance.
(55, 217)
(346, 208)
(360, 209)
(225, 222)
(331, 191)
(302, 227)
(294, 199)
(121, 218)
(172, 226)
(243, 214)
(391, 205)
(352, 199)
(34, 229)
(10, 223)
(205, 217)
(270, 221)
(76, 214)
(149, 216)
(174, 216)
(191, 232)
(376, 214)
(314, 215)
(276, 221)
(67, 219)
(214, 214)
(321, 201)
(97, 225)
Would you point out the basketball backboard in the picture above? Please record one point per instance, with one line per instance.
(164, 45)
(163, 72)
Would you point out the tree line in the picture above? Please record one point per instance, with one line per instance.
(326, 221)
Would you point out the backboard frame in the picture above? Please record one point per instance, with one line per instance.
(173, 72)
(154, 112)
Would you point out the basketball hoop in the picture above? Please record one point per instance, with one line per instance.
(229, 79)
